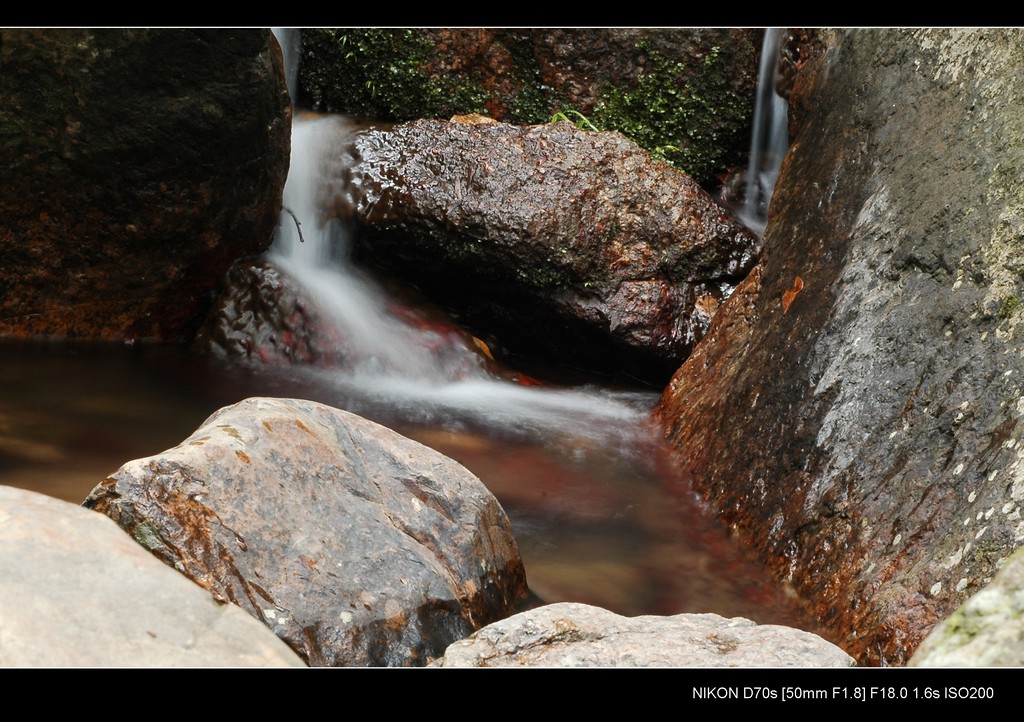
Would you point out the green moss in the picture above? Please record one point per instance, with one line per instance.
(147, 535)
(378, 73)
(533, 102)
(689, 122)
(1009, 305)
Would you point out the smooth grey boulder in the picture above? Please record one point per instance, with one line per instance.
(579, 635)
(76, 591)
(987, 631)
(356, 545)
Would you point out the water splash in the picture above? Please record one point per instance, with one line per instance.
(769, 140)
(397, 368)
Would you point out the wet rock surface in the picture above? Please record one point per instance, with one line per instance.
(854, 408)
(141, 163)
(78, 592)
(355, 545)
(262, 315)
(555, 239)
(580, 635)
(986, 631)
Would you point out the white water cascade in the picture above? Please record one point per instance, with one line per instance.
(769, 140)
(391, 365)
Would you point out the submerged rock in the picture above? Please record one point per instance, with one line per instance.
(78, 592)
(139, 164)
(854, 410)
(556, 239)
(356, 545)
(580, 635)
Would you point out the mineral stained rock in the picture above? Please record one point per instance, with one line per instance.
(356, 545)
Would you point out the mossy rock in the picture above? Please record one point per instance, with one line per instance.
(684, 95)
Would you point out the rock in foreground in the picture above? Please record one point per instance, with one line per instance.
(987, 631)
(580, 635)
(78, 592)
(356, 545)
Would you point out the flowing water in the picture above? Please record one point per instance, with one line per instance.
(769, 139)
(600, 513)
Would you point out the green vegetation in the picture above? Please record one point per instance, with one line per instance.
(690, 117)
(378, 72)
(574, 116)
(689, 123)
(1010, 304)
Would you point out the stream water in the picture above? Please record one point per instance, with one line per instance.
(600, 513)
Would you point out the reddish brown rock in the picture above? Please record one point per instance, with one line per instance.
(138, 164)
(556, 239)
(854, 410)
(356, 545)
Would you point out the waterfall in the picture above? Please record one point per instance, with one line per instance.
(290, 39)
(769, 139)
(392, 362)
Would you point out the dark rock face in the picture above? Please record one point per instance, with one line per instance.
(261, 316)
(686, 91)
(854, 409)
(356, 545)
(138, 165)
(265, 316)
(551, 235)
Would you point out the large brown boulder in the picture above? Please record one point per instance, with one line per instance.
(559, 240)
(854, 411)
(137, 165)
(356, 545)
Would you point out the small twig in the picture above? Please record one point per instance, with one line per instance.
(298, 226)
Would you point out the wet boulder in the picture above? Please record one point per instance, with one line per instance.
(560, 241)
(78, 592)
(140, 163)
(580, 635)
(854, 411)
(355, 545)
(262, 315)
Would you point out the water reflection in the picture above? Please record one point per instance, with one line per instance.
(598, 522)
